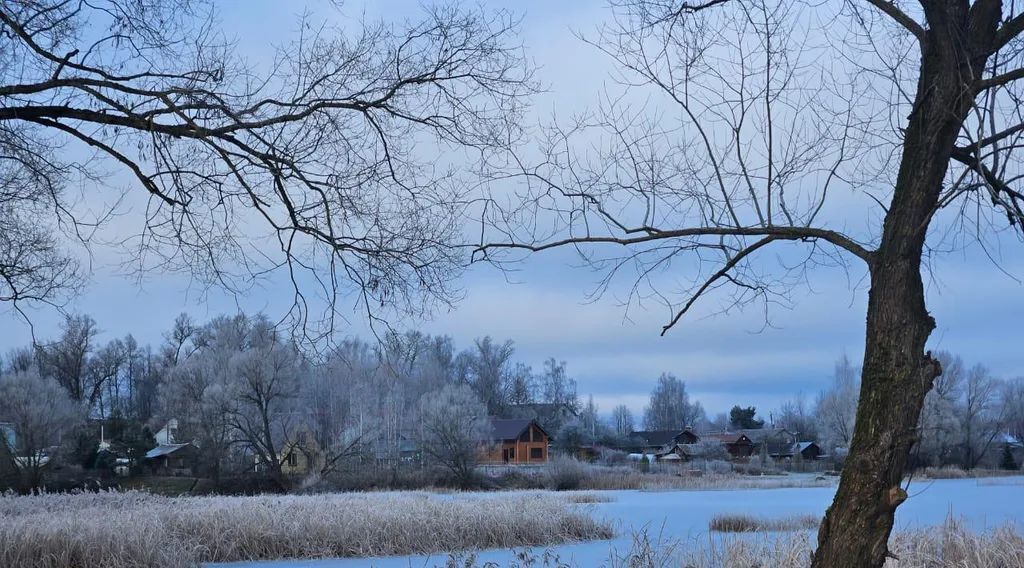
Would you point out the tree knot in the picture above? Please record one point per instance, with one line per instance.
(894, 496)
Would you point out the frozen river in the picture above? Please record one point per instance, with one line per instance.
(684, 516)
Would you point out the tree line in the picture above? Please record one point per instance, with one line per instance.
(242, 391)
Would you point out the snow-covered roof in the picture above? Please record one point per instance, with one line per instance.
(1009, 439)
(164, 450)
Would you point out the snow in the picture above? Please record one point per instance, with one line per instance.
(684, 515)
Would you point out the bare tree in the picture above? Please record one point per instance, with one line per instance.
(980, 414)
(67, 360)
(774, 112)
(40, 412)
(1013, 401)
(490, 367)
(939, 429)
(622, 420)
(337, 164)
(670, 407)
(836, 407)
(795, 416)
(454, 429)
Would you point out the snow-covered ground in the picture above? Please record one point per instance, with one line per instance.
(684, 516)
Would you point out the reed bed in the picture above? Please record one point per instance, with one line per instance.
(136, 530)
(950, 545)
(734, 523)
(600, 478)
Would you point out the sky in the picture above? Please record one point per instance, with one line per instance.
(725, 359)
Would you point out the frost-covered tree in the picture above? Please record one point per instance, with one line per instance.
(939, 437)
(41, 413)
(980, 414)
(454, 429)
(556, 386)
(836, 407)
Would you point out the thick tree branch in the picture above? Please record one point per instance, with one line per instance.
(900, 17)
(776, 232)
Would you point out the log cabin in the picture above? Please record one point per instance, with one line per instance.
(516, 441)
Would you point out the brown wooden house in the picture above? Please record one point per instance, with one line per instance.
(738, 445)
(516, 441)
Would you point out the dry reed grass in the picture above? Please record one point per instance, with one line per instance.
(580, 497)
(956, 472)
(136, 530)
(731, 522)
(600, 478)
(950, 545)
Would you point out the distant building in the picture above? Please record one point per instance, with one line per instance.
(738, 445)
(657, 441)
(172, 459)
(302, 454)
(550, 416)
(168, 434)
(516, 441)
(808, 451)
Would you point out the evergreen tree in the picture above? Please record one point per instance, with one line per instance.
(1007, 462)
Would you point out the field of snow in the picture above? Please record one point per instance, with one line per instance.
(684, 516)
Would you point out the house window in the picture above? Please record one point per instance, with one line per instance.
(536, 453)
(511, 453)
(293, 460)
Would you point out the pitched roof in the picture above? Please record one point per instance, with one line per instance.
(728, 437)
(511, 428)
(804, 445)
(165, 450)
(656, 437)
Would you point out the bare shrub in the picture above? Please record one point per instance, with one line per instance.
(956, 472)
(121, 530)
(946, 472)
(581, 498)
(625, 477)
(732, 522)
(564, 474)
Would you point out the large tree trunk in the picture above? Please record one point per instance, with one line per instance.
(897, 372)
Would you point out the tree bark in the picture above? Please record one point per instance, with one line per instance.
(897, 372)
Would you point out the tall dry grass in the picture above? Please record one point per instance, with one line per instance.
(738, 522)
(950, 545)
(956, 472)
(136, 530)
(597, 478)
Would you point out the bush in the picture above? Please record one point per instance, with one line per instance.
(564, 474)
(748, 523)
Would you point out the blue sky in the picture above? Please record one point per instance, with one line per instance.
(725, 360)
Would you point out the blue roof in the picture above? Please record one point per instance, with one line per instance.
(164, 450)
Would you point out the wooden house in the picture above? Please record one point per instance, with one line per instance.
(738, 445)
(172, 459)
(302, 454)
(516, 441)
(658, 441)
(807, 451)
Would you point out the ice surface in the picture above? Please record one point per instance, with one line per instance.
(684, 515)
